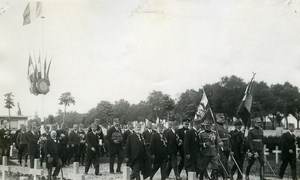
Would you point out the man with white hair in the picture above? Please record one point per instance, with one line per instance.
(52, 153)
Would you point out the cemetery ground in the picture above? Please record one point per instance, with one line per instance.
(17, 171)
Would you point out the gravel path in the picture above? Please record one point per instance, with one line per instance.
(103, 169)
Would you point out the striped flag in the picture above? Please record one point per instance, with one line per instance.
(26, 15)
(30, 73)
(244, 108)
(202, 108)
(32, 11)
(39, 68)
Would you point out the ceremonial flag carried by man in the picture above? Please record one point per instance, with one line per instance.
(202, 108)
(244, 108)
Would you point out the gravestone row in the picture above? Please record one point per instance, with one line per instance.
(38, 172)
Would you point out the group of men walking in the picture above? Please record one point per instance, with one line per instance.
(192, 148)
(199, 144)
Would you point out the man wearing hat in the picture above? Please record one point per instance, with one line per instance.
(237, 148)
(115, 139)
(181, 134)
(209, 144)
(224, 148)
(288, 140)
(256, 147)
(192, 148)
(158, 147)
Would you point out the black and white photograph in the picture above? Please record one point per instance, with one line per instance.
(149, 89)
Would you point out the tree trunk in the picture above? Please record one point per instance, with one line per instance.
(273, 122)
(64, 114)
(9, 119)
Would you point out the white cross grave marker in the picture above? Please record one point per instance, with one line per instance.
(36, 171)
(4, 168)
(277, 152)
(75, 175)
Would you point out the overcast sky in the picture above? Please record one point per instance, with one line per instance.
(113, 49)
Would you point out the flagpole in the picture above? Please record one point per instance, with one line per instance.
(43, 51)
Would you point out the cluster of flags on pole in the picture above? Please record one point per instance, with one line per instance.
(38, 78)
(32, 11)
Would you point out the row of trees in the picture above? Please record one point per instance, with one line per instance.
(275, 101)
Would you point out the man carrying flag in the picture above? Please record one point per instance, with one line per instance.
(244, 108)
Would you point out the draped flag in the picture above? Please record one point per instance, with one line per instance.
(39, 80)
(30, 73)
(202, 108)
(32, 11)
(244, 108)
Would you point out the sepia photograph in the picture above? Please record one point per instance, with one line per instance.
(149, 89)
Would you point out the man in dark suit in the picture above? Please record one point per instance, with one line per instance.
(33, 137)
(172, 149)
(114, 138)
(22, 144)
(74, 142)
(127, 132)
(159, 154)
(135, 154)
(181, 134)
(62, 137)
(93, 150)
(192, 148)
(100, 136)
(237, 141)
(147, 134)
(45, 136)
(5, 139)
(288, 140)
(82, 146)
(52, 154)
